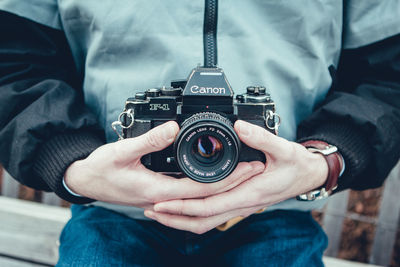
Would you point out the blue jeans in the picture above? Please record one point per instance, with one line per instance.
(99, 237)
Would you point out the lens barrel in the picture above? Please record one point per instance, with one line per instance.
(207, 147)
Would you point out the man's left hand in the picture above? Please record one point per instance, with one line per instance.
(290, 170)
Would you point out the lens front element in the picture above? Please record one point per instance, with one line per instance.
(207, 147)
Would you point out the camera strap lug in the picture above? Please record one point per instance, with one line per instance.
(119, 123)
(272, 118)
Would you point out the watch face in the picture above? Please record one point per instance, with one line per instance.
(314, 195)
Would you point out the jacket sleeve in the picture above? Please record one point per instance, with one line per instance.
(361, 114)
(44, 123)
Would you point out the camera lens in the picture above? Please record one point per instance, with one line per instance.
(207, 147)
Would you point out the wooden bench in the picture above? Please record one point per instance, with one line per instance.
(29, 231)
(386, 225)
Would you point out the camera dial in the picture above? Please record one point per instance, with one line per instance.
(140, 96)
(153, 92)
(256, 90)
(171, 91)
(255, 94)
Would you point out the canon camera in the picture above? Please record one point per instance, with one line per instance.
(206, 149)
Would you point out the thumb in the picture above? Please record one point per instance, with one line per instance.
(156, 139)
(259, 138)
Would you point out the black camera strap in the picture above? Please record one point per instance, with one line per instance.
(210, 33)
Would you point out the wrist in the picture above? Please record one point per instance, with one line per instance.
(56, 155)
(73, 176)
(320, 170)
(334, 162)
(69, 189)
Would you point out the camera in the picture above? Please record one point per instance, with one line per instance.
(206, 149)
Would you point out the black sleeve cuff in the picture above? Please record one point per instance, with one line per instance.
(57, 154)
(351, 143)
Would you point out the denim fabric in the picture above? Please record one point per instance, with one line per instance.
(99, 237)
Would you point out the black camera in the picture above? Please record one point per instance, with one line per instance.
(206, 149)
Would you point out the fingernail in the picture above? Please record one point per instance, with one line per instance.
(169, 132)
(149, 213)
(244, 129)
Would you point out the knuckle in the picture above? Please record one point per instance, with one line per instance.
(182, 207)
(200, 229)
(207, 210)
(153, 140)
(290, 152)
(119, 150)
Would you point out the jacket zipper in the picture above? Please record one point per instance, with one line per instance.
(210, 33)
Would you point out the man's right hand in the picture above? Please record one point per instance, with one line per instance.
(113, 173)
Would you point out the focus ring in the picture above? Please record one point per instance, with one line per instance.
(205, 116)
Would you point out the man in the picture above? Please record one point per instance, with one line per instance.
(52, 136)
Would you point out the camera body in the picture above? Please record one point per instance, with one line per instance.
(206, 148)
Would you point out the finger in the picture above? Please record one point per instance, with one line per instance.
(239, 176)
(156, 139)
(260, 139)
(173, 188)
(198, 225)
(240, 197)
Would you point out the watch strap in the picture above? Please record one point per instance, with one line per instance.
(334, 161)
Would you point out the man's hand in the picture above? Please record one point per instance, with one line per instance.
(113, 173)
(290, 170)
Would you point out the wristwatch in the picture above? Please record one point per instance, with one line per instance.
(335, 163)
